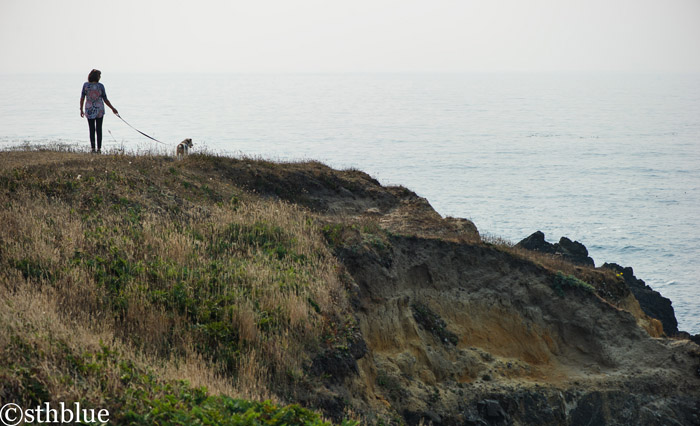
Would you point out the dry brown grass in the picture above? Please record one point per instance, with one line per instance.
(188, 275)
(31, 315)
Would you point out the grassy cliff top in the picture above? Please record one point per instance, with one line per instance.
(122, 276)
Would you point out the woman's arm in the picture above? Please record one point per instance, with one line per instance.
(109, 104)
(82, 101)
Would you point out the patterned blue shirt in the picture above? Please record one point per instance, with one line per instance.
(94, 94)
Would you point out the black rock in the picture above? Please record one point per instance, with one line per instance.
(491, 410)
(339, 362)
(536, 242)
(692, 337)
(415, 418)
(357, 346)
(590, 410)
(573, 251)
(651, 301)
(335, 363)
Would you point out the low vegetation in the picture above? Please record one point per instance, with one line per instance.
(432, 322)
(130, 282)
(562, 282)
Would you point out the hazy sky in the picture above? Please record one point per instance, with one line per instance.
(357, 35)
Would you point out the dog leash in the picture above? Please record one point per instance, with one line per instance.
(149, 137)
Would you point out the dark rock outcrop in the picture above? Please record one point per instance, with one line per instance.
(692, 337)
(340, 362)
(573, 251)
(651, 301)
(491, 410)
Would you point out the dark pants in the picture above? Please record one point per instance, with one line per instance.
(95, 125)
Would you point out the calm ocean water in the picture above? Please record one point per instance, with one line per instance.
(610, 160)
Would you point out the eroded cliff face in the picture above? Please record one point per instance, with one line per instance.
(453, 330)
(521, 352)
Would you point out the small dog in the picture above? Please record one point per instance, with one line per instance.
(182, 148)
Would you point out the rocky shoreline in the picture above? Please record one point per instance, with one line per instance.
(652, 302)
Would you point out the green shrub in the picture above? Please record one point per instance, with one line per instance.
(433, 323)
(562, 282)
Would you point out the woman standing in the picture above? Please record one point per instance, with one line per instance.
(95, 93)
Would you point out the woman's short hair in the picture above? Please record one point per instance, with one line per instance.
(94, 76)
